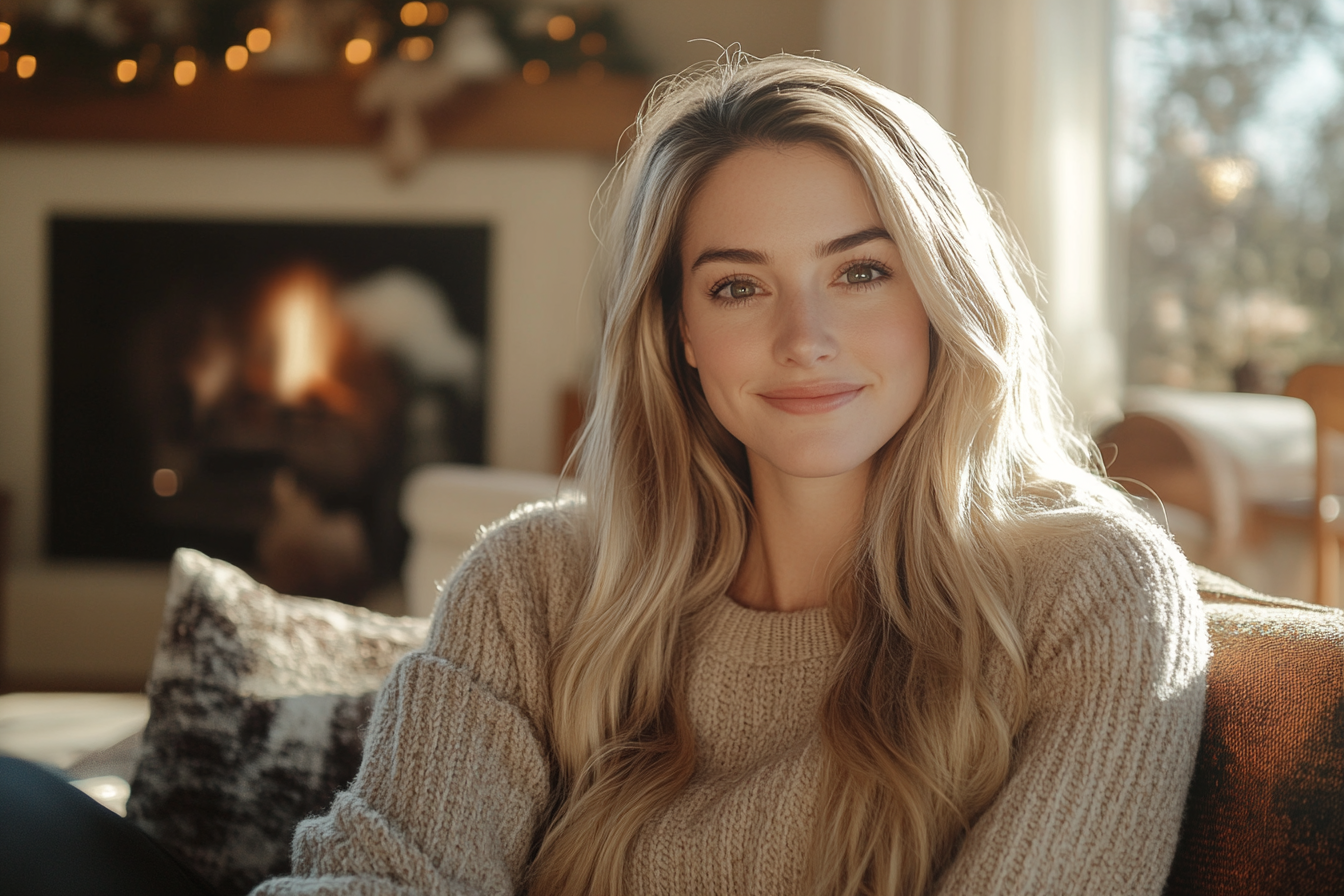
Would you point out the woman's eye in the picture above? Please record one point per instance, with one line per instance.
(737, 289)
(862, 273)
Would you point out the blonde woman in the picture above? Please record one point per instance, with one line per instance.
(844, 611)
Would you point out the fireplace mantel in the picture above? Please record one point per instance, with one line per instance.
(563, 114)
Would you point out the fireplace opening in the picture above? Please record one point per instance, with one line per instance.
(258, 390)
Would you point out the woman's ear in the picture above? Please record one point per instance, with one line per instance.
(686, 343)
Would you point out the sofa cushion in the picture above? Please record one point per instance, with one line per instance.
(1265, 814)
(257, 702)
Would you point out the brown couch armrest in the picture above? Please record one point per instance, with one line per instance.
(1265, 812)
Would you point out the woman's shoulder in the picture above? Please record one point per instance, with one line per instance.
(1105, 565)
(526, 570)
(1081, 534)
(539, 534)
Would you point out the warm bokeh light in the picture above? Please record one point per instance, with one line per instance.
(4, 32)
(4, 60)
(438, 13)
(25, 66)
(184, 72)
(593, 43)
(358, 51)
(415, 49)
(126, 70)
(1227, 177)
(414, 13)
(165, 482)
(258, 40)
(235, 57)
(591, 72)
(560, 27)
(536, 71)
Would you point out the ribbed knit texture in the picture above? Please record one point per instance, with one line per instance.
(456, 772)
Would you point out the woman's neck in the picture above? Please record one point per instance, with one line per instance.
(802, 528)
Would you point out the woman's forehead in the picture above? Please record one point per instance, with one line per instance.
(792, 198)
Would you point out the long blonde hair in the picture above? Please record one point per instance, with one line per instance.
(915, 741)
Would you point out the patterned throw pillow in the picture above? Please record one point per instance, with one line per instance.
(257, 704)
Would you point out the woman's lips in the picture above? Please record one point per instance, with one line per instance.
(812, 399)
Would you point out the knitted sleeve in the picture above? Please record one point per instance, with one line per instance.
(455, 776)
(1117, 653)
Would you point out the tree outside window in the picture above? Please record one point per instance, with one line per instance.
(1230, 166)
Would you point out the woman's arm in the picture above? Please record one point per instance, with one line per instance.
(1117, 655)
(456, 776)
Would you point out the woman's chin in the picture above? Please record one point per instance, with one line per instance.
(808, 464)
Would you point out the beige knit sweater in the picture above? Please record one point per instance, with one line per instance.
(455, 778)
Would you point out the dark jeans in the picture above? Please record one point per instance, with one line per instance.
(57, 841)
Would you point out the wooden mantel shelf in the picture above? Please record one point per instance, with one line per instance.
(563, 114)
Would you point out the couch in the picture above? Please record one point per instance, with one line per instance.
(257, 702)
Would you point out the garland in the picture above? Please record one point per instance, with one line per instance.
(112, 46)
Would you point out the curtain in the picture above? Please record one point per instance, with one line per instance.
(1024, 87)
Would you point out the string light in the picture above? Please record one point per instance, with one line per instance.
(165, 482)
(593, 44)
(536, 71)
(415, 49)
(358, 51)
(188, 65)
(414, 14)
(560, 27)
(235, 57)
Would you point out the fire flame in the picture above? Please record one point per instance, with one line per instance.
(306, 332)
(211, 367)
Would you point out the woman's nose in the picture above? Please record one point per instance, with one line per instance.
(804, 330)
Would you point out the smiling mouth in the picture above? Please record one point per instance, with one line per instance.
(813, 399)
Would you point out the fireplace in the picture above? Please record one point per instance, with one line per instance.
(258, 389)
(73, 623)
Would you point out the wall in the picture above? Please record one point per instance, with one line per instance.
(674, 35)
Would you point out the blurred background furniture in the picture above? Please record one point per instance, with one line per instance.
(1230, 474)
(1322, 387)
(444, 506)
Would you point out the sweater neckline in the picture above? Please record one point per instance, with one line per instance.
(767, 637)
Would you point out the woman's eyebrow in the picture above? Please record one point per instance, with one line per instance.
(853, 240)
(741, 256)
(751, 256)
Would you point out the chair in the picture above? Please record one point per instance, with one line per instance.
(1322, 387)
(1158, 456)
(1231, 475)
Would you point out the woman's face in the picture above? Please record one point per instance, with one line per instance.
(811, 343)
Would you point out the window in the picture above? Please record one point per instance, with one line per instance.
(1230, 165)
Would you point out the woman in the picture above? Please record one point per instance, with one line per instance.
(844, 611)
